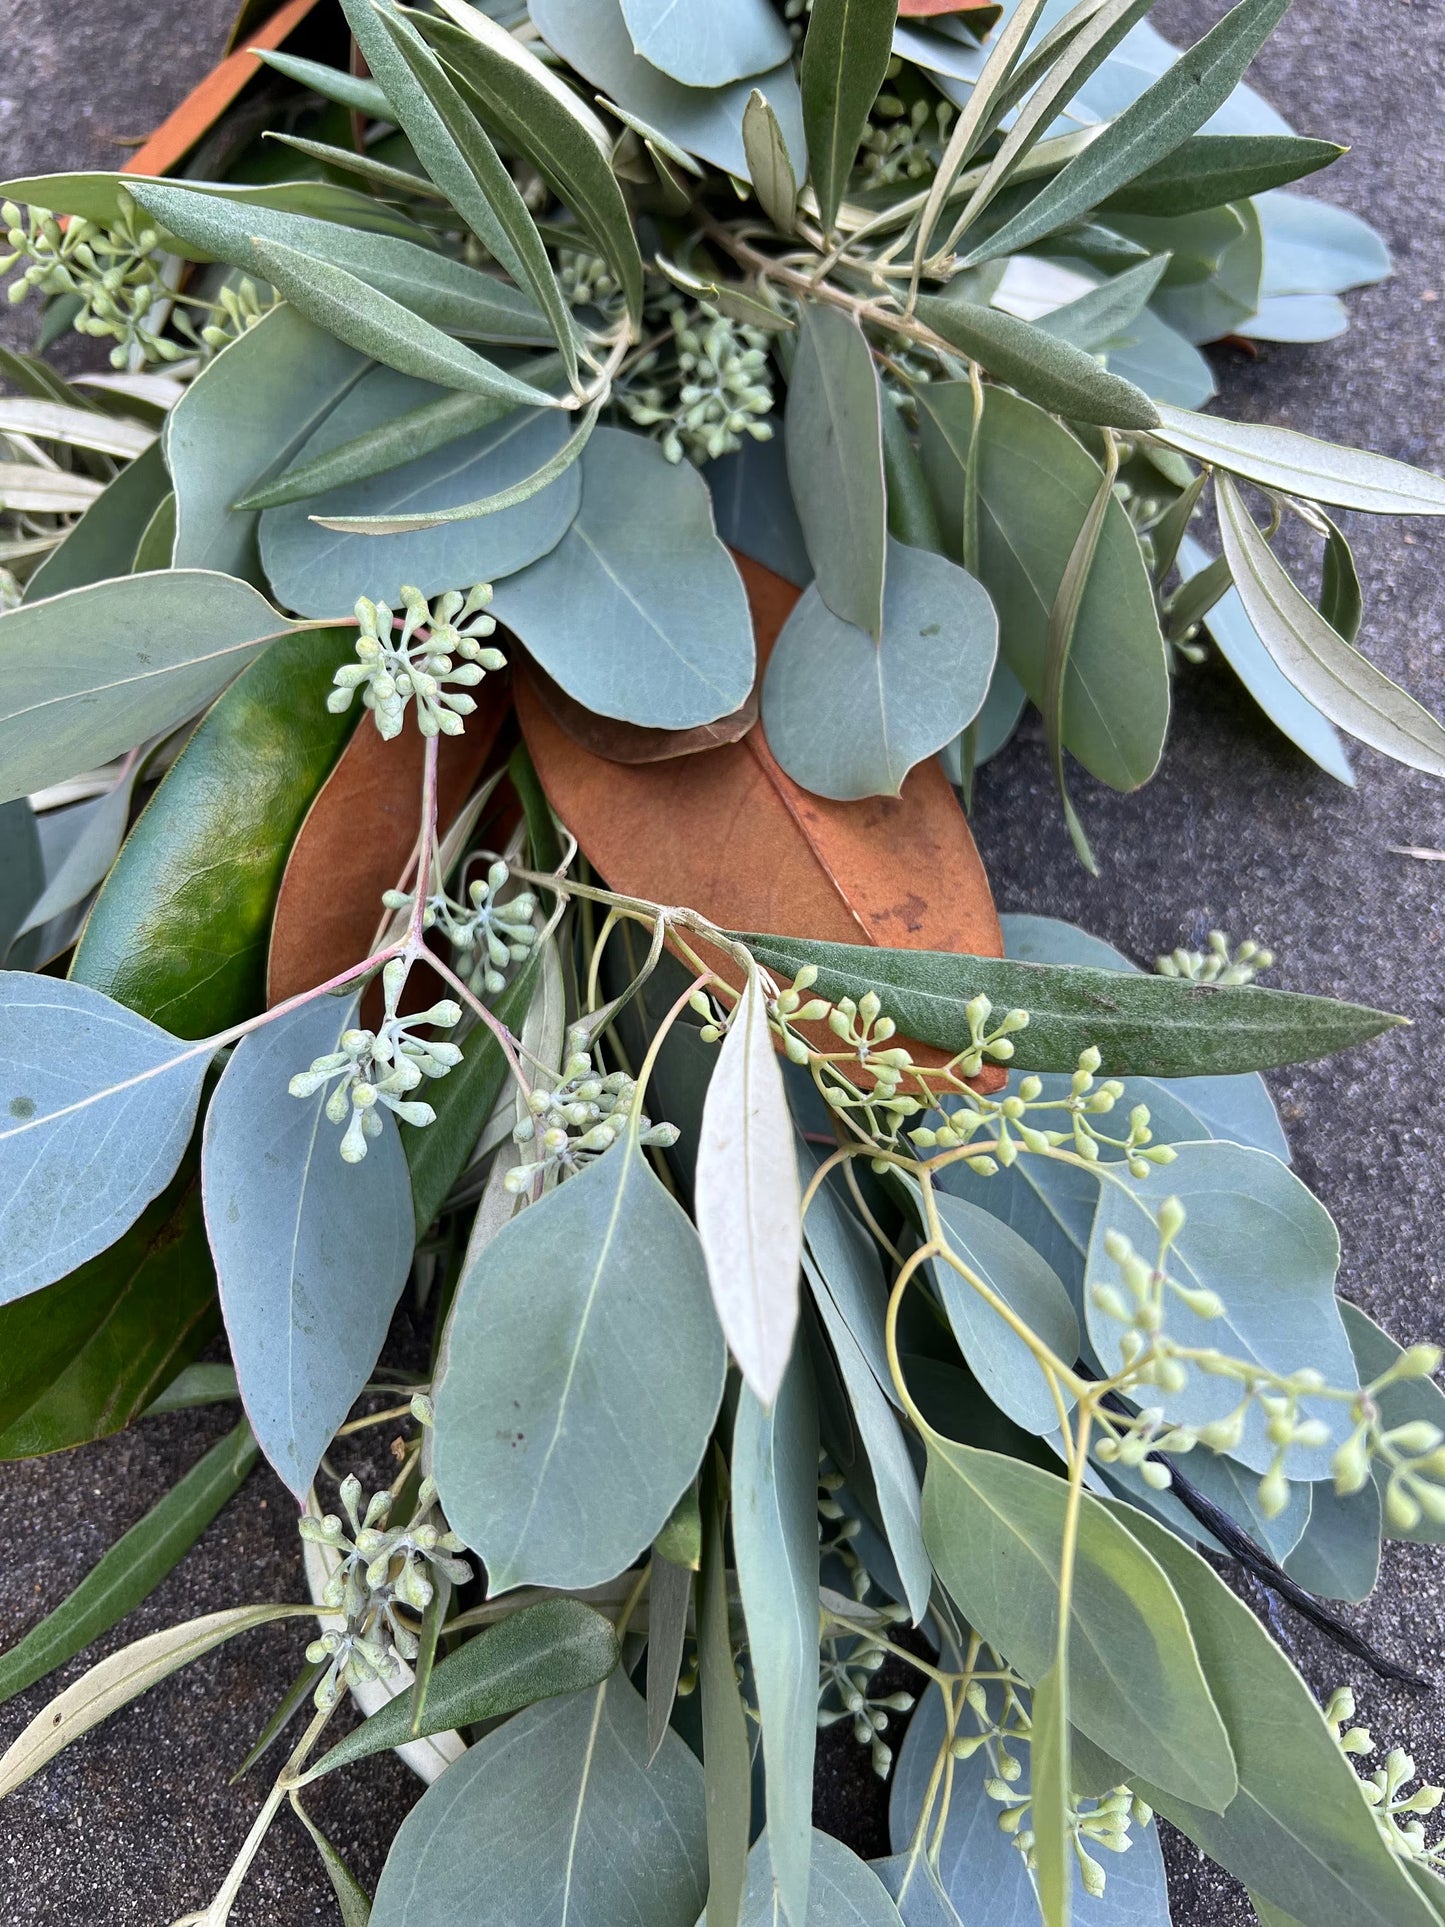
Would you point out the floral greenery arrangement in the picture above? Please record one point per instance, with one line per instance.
(693, 434)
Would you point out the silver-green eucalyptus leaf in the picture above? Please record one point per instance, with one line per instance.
(844, 1891)
(703, 45)
(835, 464)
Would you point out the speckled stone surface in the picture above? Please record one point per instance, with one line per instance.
(136, 1825)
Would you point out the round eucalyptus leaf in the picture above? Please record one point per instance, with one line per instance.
(847, 717)
(321, 572)
(702, 44)
(639, 611)
(1311, 247)
(843, 1891)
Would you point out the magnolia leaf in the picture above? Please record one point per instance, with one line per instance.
(119, 1679)
(745, 1192)
(1209, 170)
(429, 285)
(592, 36)
(835, 462)
(180, 929)
(539, 115)
(311, 1252)
(1296, 464)
(134, 1566)
(1144, 1026)
(243, 418)
(1332, 675)
(97, 1107)
(585, 1313)
(1265, 1245)
(844, 1891)
(993, 1527)
(666, 642)
(1036, 486)
(315, 567)
(1151, 127)
(624, 742)
(775, 1544)
(103, 542)
(846, 52)
(609, 1837)
(558, 1646)
(92, 672)
(849, 717)
(703, 45)
(1298, 1831)
(774, 182)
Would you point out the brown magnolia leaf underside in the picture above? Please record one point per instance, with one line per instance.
(726, 832)
(360, 834)
(629, 742)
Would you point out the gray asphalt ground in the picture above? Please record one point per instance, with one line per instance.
(136, 1825)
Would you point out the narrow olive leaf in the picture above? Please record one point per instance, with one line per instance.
(27, 488)
(1195, 597)
(669, 1600)
(558, 1646)
(834, 432)
(92, 672)
(431, 285)
(350, 1894)
(726, 1766)
(373, 323)
(775, 1545)
(101, 825)
(1280, 458)
(80, 427)
(1161, 119)
(1342, 601)
(1047, 369)
(505, 498)
(195, 1385)
(479, 183)
(1345, 685)
(121, 1678)
(746, 1198)
(397, 179)
(1105, 311)
(541, 117)
(424, 1665)
(993, 1526)
(332, 83)
(1144, 1026)
(774, 182)
(845, 59)
(1050, 1787)
(1063, 621)
(97, 1106)
(1211, 170)
(133, 1567)
(1299, 1831)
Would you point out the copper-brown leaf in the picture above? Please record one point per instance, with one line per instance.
(358, 837)
(629, 742)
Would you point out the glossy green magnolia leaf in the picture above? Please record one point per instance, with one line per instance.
(1338, 1554)
(844, 1890)
(587, 1317)
(608, 1836)
(835, 464)
(1029, 1286)
(244, 418)
(849, 717)
(96, 1106)
(702, 45)
(1209, 170)
(981, 1872)
(994, 1527)
(1110, 309)
(89, 1353)
(1400, 1402)
(1144, 1026)
(1296, 464)
(638, 612)
(775, 1546)
(94, 671)
(558, 1646)
(1238, 641)
(774, 182)
(1299, 1831)
(1261, 1241)
(1035, 487)
(846, 52)
(431, 286)
(540, 116)
(311, 1252)
(592, 37)
(322, 570)
(181, 928)
(1335, 677)
(1312, 247)
(102, 543)
(1150, 128)
(131, 1569)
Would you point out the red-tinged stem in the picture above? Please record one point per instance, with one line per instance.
(493, 1023)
